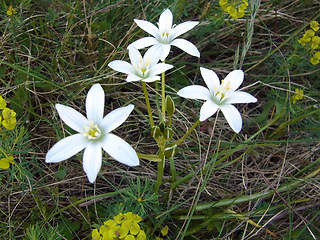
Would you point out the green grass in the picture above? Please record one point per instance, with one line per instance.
(262, 183)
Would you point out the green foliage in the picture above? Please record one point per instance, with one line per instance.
(37, 232)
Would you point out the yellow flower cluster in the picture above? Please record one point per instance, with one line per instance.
(8, 115)
(11, 11)
(234, 7)
(310, 39)
(164, 232)
(297, 96)
(123, 226)
(5, 162)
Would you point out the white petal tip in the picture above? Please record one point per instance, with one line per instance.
(130, 107)
(202, 119)
(133, 161)
(92, 180)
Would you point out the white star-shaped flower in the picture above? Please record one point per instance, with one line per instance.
(145, 69)
(93, 135)
(220, 96)
(166, 35)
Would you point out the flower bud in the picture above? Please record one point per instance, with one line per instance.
(170, 106)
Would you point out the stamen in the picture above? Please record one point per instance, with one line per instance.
(165, 34)
(92, 131)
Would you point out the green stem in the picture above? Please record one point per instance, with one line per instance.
(160, 169)
(169, 120)
(163, 95)
(158, 101)
(144, 87)
(187, 133)
(3, 152)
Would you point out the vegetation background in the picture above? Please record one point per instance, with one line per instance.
(262, 183)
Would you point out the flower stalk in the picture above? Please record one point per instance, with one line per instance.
(160, 169)
(145, 92)
(163, 95)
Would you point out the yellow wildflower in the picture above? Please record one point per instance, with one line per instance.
(129, 237)
(234, 7)
(123, 226)
(9, 118)
(141, 235)
(308, 35)
(314, 25)
(233, 12)
(5, 162)
(95, 234)
(8, 113)
(3, 103)
(302, 41)
(297, 96)
(9, 123)
(314, 61)
(11, 11)
(224, 4)
(131, 226)
(165, 230)
(316, 55)
(315, 41)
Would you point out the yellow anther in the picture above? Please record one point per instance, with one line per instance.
(92, 131)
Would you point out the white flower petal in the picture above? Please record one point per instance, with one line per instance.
(148, 27)
(195, 92)
(233, 80)
(72, 118)
(165, 20)
(133, 78)
(135, 56)
(207, 110)
(120, 150)
(240, 97)
(165, 51)
(95, 103)
(182, 28)
(144, 42)
(186, 46)
(66, 148)
(211, 79)
(153, 54)
(92, 159)
(159, 68)
(232, 116)
(151, 79)
(122, 66)
(115, 118)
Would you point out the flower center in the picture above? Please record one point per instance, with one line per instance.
(221, 93)
(143, 66)
(92, 131)
(143, 70)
